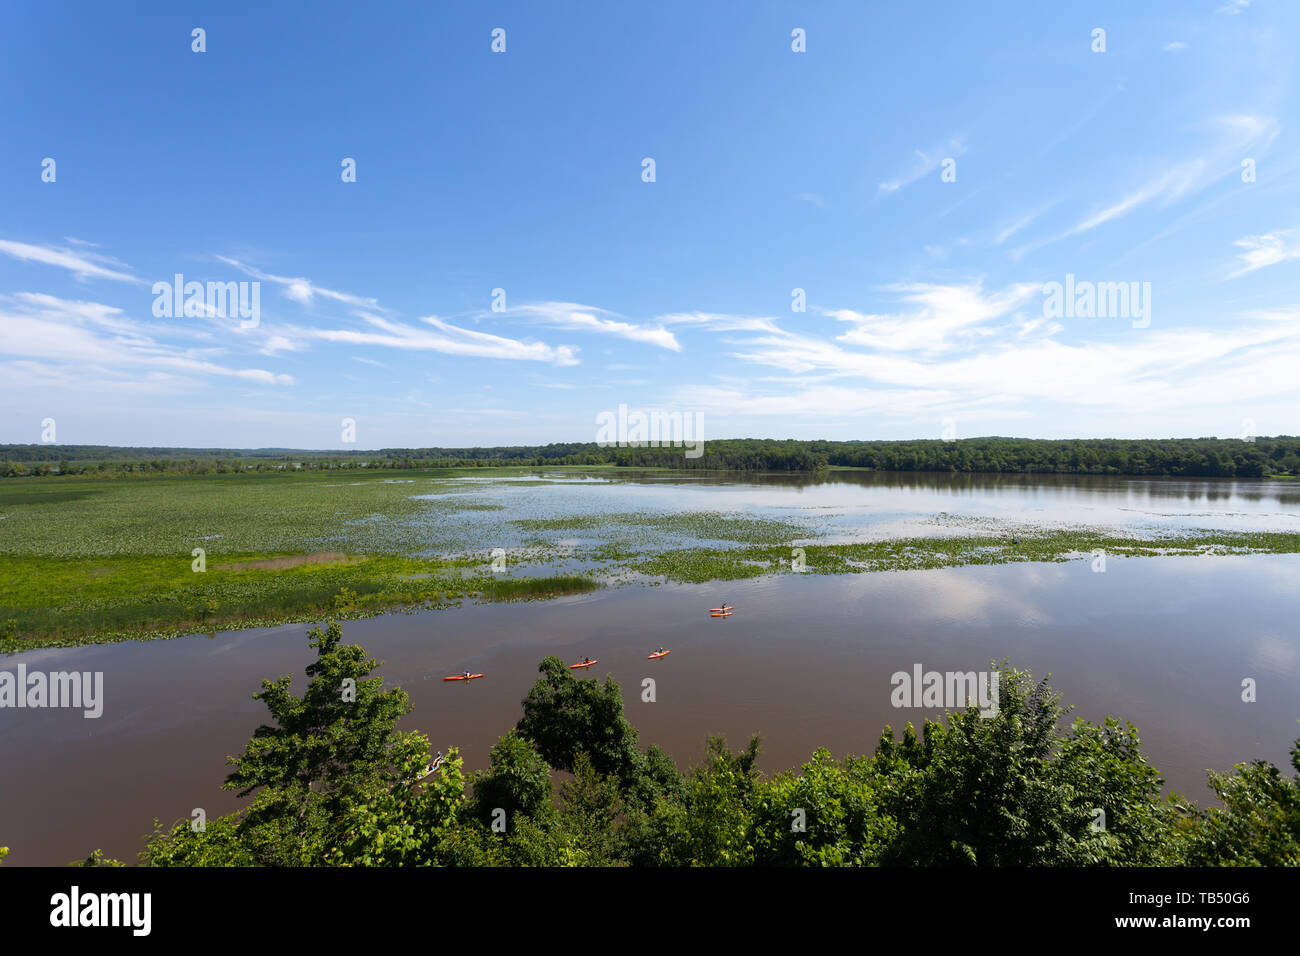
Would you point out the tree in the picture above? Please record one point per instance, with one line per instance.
(1012, 790)
(517, 781)
(713, 824)
(1259, 823)
(565, 716)
(332, 750)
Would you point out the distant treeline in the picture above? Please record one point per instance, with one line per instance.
(1173, 457)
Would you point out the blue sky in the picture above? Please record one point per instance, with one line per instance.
(775, 170)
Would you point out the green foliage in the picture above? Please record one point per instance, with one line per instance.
(517, 781)
(1178, 457)
(407, 825)
(328, 752)
(1259, 823)
(96, 858)
(713, 824)
(592, 805)
(222, 842)
(565, 716)
(536, 588)
(1011, 790)
(823, 815)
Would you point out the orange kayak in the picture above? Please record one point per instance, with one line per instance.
(657, 654)
(725, 607)
(583, 664)
(721, 614)
(463, 677)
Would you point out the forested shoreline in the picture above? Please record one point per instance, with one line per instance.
(1166, 457)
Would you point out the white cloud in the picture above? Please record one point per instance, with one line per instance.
(1006, 232)
(1233, 7)
(943, 317)
(1127, 204)
(95, 339)
(1174, 46)
(1267, 249)
(923, 164)
(584, 318)
(1173, 369)
(717, 322)
(448, 339)
(1232, 137)
(83, 265)
(303, 291)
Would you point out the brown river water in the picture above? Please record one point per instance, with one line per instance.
(804, 662)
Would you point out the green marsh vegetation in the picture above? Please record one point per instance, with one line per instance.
(106, 560)
(697, 565)
(93, 560)
(335, 783)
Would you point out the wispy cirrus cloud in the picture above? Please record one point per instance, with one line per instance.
(1023, 221)
(83, 265)
(1267, 249)
(585, 318)
(721, 322)
(923, 164)
(1229, 138)
(303, 291)
(940, 317)
(438, 336)
(94, 337)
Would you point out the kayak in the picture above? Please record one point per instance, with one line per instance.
(657, 654)
(463, 677)
(583, 664)
(721, 614)
(725, 607)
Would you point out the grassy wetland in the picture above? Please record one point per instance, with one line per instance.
(99, 560)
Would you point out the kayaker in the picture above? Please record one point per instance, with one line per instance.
(467, 675)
